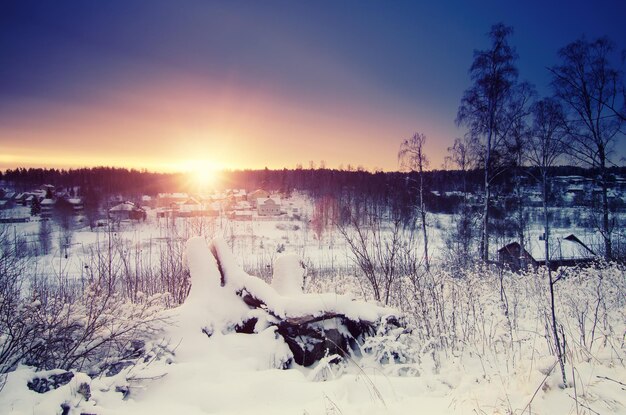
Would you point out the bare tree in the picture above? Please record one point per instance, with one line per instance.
(517, 145)
(463, 155)
(376, 243)
(589, 89)
(546, 149)
(412, 158)
(484, 107)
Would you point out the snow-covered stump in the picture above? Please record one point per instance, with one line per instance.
(312, 325)
(288, 276)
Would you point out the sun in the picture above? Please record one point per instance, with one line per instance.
(203, 177)
(201, 174)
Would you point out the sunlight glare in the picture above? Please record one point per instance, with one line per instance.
(202, 174)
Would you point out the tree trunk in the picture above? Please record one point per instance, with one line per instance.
(485, 235)
(423, 214)
(606, 229)
(551, 282)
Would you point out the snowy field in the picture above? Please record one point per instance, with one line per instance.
(478, 345)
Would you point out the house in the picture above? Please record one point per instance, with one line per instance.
(513, 257)
(241, 215)
(47, 207)
(125, 211)
(76, 203)
(257, 194)
(268, 206)
(170, 200)
(564, 251)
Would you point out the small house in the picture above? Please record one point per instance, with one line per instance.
(257, 194)
(564, 251)
(269, 206)
(76, 203)
(126, 211)
(47, 207)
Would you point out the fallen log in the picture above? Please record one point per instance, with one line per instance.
(313, 326)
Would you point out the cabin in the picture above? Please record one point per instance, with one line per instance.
(564, 251)
(126, 211)
(513, 257)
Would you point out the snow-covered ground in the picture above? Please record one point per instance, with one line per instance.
(471, 351)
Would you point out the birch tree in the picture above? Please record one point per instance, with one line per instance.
(413, 158)
(545, 150)
(484, 108)
(588, 87)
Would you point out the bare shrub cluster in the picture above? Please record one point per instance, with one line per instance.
(55, 320)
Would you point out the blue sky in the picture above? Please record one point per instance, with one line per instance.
(156, 83)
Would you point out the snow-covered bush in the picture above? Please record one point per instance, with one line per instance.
(89, 334)
(54, 324)
(392, 343)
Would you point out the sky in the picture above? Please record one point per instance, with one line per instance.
(178, 85)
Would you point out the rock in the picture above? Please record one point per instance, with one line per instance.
(310, 339)
(117, 367)
(84, 390)
(124, 390)
(43, 385)
(136, 348)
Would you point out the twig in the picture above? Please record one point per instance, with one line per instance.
(583, 405)
(540, 385)
(612, 380)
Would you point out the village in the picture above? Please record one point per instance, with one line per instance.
(42, 203)
(574, 240)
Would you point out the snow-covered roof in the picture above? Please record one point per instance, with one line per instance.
(242, 212)
(561, 247)
(243, 205)
(173, 195)
(576, 188)
(262, 200)
(48, 202)
(125, 206)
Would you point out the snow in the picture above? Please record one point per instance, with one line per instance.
(560, 249)
(274, 199)
(288, 276)
(126, 206)
(498, 371)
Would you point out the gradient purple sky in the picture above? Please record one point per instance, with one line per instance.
(170, 85)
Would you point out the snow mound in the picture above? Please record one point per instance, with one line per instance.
(288, 277)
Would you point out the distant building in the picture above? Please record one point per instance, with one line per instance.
(269, 206)
(171, 200)
(125, 211)
(257, 194)
(47, 207)
(564, 251)
(76, 203)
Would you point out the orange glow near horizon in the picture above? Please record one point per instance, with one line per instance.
(227, 127)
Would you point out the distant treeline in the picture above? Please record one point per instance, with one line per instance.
(383, 186)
